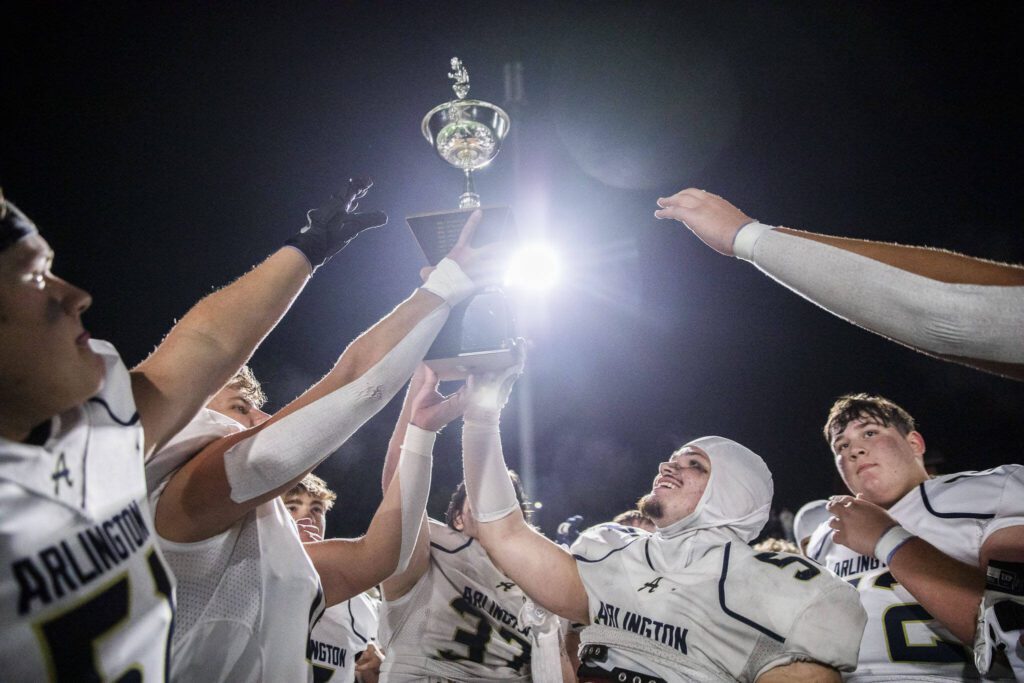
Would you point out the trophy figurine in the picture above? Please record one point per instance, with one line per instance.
(479, 334)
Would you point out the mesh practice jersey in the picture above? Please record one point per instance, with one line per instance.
(459, 622)
(342, 633)
(707, 607)
(84, 592)
(956, 513)
(246, 597)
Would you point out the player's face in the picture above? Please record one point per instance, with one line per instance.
(301, 505)
(46, 365)
(878, 461)
(679, 486)
(232, 402)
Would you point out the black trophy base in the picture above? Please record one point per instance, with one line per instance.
(438, 231)
(477, 363)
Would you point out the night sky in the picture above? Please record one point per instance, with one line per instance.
(165, 148)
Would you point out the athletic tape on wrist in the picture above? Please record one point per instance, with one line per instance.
(298, 442)
(414, 467)
(891, 541)
(449, 282)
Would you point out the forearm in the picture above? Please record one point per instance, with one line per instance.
(931, 300)
(321, 420)
(208, 345)
(393, 534)
(949, 589)
(936, 264)
(397, 437)
(545, 571)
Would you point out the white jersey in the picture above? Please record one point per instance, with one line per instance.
(956, 513)
(341, 635)
(459, 622)
(246, 597)
(84, 593)
(707, 607)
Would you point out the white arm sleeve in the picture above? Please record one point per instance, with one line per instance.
(968, 321)
(490, 491)
(299, 442)
(414, 467)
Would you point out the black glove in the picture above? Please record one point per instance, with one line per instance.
(332, 226)
(569, 530)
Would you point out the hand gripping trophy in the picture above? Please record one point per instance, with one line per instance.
(479, 334)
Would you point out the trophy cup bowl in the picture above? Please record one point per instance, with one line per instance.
(466, 133)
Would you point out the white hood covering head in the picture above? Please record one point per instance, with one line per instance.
(738, 496)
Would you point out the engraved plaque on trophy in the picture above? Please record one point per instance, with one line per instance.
(467, 134)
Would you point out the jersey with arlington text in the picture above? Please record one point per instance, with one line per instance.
(956, 513)
(459, 622)
(246, 597)
(707, 607)
(341, 635)
(84, 592)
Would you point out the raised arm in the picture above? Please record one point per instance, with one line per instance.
(427, 409)
(955, 307)
(545, 571)
(396, 540)
(239, 472)
(207, 346)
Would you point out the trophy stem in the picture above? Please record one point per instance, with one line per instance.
(469, 199)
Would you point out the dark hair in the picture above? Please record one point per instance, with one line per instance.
(851, 407)
(459, 497)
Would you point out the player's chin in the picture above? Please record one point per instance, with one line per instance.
(651, 506)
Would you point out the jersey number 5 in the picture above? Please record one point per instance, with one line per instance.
(782, 561)
(70, 639)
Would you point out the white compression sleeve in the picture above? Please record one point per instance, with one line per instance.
(299, 442)
(414, 467)
(490, 491)
(967, 321)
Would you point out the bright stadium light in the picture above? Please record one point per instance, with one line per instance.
(533, 266)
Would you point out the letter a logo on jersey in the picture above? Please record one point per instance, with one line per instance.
(651, 585)
(60, 471)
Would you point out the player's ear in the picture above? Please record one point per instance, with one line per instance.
(916, 442)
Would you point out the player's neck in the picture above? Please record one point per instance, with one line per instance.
(24, 430)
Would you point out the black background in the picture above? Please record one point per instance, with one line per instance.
(165, 148)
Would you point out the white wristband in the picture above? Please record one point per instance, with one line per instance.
(449, 282)
(744, 241)
(891, 541)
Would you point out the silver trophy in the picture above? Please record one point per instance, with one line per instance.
(479, 334)
(466, 133)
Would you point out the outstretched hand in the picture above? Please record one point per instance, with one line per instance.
(488, 393)
(712, 219)
(329, 228)
(432, 410)
(481, 264)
